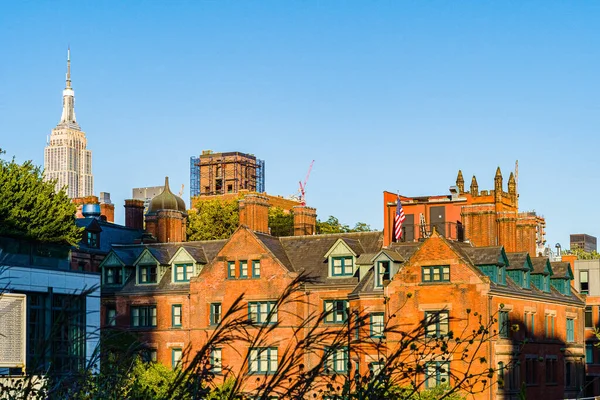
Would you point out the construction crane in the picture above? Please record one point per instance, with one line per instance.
(303, 185)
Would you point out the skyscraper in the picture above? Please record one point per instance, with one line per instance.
(66, 158)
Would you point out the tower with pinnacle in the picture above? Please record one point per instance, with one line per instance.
(66, 158)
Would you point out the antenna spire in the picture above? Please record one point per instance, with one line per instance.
(69, 67)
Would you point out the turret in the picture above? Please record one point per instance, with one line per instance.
(474, 187)
(460, 182)
(498, 185)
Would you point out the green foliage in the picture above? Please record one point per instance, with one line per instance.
(213, 219)
(333, 225)
(582, 254)
(30, 209)
(281, 223)
(153, 381)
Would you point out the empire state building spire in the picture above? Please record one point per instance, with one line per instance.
(66, 157)
(68, 113)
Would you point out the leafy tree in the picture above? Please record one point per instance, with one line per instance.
(213, 219)
(280, 222)
(31, 209)
(333, 225)
(582, 254)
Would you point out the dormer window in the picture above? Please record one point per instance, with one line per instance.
(382, 273)
(93, 239)
(342, 266)
(183, 272)
(113, 275)
(147, 274)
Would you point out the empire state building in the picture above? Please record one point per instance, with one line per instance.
(66, 158)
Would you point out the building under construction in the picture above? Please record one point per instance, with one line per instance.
(221, 173)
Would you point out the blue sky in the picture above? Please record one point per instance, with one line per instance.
(384, 95)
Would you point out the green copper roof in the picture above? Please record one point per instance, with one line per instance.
(166, 201)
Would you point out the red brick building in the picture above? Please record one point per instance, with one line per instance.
(174, 294)
(485, 218)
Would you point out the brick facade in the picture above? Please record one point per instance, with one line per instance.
(224, 270)
(488, 218)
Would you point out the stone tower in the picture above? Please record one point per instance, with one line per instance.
(66, 158)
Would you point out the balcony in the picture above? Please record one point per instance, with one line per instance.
(419, 232)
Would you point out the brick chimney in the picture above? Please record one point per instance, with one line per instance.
(305, 220)
(254, 212)
(134, 214)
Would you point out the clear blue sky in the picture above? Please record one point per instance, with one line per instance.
(384, 95)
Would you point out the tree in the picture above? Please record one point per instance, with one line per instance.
(213, 219)
(280, 222)
(333, 225)
(31, 209)
(582, 254)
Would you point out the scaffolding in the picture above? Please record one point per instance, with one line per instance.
(222, 173)
(194, 178)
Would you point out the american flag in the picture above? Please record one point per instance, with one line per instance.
(398, 220)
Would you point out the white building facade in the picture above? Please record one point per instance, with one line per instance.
(66, 157)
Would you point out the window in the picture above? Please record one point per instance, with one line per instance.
(243, 269)
(216, 361)
(589, 353)
(514, 376)
(143, 316)
(93, 239)
(436, 274)
(176, 315)
(262, 312)
(503, 328)
(570, 330)
(530, 370)
(231, 269)
(113, 275)
(584, 285)
(263, 360)
(337, 360)
(377, 325)
(147, 274)
(501, 374)
(183, 272)
(529, 321)
(256, 268)
(436, 323)
(148, 355)
(588, 317)
(551, 369)
(176, 354)
(436, 373)
(336, 311)
(568, 374)
(376, 367)
(111, 316)
(383, 273)
(342, 266)
(215, 313)
(549, 326)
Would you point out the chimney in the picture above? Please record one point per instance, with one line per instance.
(134, 214)
(254, 212)
(305, 220)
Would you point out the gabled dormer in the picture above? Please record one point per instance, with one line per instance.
(183, 266)
(113, 270)
(492, 261)
(148, 270)
(562, 277)
(520, 268)
(341, 260)
(386, 264)
(542, 271)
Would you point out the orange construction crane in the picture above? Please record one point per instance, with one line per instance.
(303, 185)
